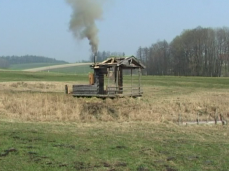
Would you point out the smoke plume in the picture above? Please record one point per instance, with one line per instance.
(82, 24)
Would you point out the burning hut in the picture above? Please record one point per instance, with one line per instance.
(108, 79)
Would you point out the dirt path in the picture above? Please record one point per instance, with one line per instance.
(55, 67)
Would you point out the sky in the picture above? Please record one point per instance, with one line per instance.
(41, 27)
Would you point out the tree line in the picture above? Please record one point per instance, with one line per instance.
(6, 61)
(195, 52)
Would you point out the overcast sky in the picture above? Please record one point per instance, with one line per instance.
(41, 27)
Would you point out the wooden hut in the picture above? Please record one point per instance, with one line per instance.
(108, 78)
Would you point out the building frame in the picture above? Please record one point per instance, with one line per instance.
(108, 78)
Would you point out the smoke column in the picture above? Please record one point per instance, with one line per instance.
(82, 24)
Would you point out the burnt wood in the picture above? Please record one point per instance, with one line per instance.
(85, 89)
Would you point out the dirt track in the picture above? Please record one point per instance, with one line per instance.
(55, 67)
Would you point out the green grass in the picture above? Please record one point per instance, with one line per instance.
(195, 82)
(112, 146)
(165, 81)
(189, 82)
(39, 76)
(32, 65)
(73, 70)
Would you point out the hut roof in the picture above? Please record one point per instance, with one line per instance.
(124, 62)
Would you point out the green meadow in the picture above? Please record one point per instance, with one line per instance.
(73, 70)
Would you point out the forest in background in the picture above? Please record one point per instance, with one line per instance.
(195, 52)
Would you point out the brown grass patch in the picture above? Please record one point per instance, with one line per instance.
(159, 104)
(34, 86)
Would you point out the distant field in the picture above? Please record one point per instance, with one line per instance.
(39, 76)
(194, 82)
(48, 68)
(165, 81)
(73, 70)
(29, 66)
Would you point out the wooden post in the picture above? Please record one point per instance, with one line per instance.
(179, 118)
(216, 116)
(222, 119)
(117, 78)
(120, 81)
(91, 78)
(197, 118)
(108, 79)
(66, 89)
(139, 81)
(131, 81)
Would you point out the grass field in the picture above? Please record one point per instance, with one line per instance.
(32, 65)
(165, 81)
(112, 146)
(44, 129)
(73, 70)
(39, 76)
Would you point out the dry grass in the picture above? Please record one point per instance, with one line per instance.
(34, 86)
(159, 104)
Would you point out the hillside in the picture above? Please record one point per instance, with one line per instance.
(82, 69)
(63, 66)
(24, 62)
(29, 66)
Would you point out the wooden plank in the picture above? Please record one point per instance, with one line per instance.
(85, 89)
(85, 86)
(204, 123)
(105, 96)
(88, 89)
(84, 92)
